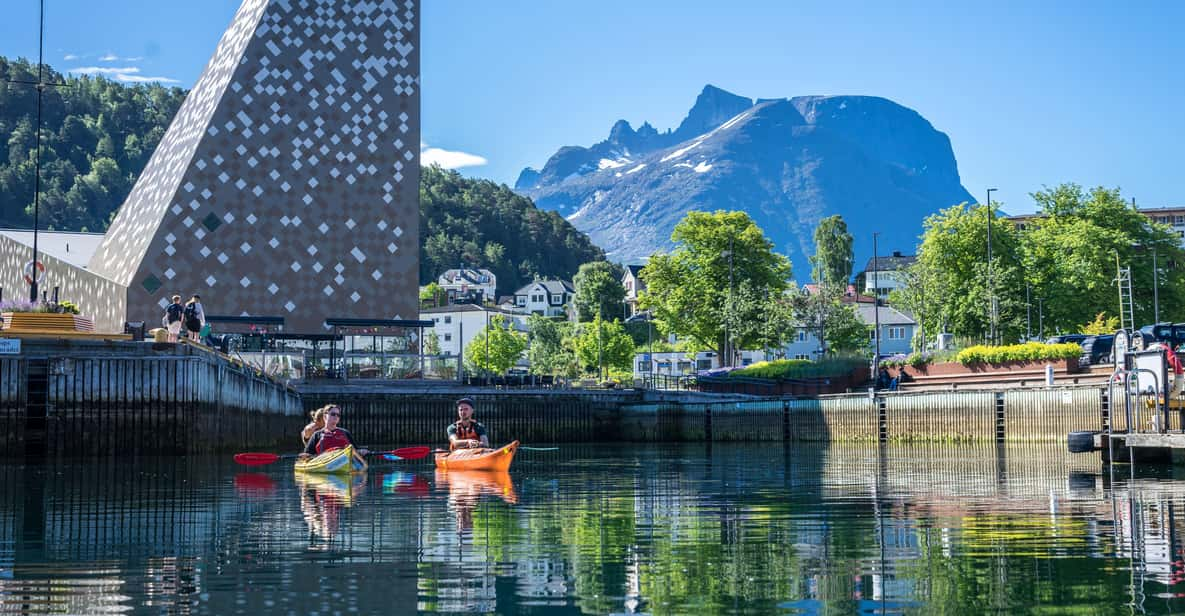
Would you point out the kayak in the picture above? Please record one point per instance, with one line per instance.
(477, 459)
(333, 461)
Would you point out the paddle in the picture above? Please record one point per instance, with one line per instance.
(263, 459)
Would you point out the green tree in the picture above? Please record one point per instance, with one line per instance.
(689, 290)
(605, 344)
(430, 293)
(831, 320)
(431, 343)
(552, 349)
(832, 263)
(598, 290)
(951, 274)
(1073, 249)
(505, 347)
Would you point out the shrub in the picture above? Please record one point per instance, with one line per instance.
(22, 305)
(781, 369)
(68, 307)
(1029, 351)
(895, 361)
(918, 360)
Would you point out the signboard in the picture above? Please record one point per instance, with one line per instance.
(10, 346)
(1119, 349)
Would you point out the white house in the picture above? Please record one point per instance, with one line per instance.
(897, 330)
(461, 282)
(886, 273)
(633, 286)
(458, 324)
(677, 363)
(546, 297)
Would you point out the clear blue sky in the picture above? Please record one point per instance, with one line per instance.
(1030, 94)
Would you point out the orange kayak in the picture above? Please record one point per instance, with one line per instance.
(478, 459)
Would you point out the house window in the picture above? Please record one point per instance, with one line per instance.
(896, 333)
(703, 364)
(684, 366)
(536, 298)
(1181, 220)
(642, 366)
(802, 335)
(448, 337)
(557, 299)
(745, 361)
(448, 320)
(802, 356)
(521, 300)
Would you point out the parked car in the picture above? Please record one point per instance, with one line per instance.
(1066, 338)
(1172, 334)
(1098, 350)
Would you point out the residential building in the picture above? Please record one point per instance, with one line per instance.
(885, 273)
(678, 363)
(546, 297)
(634, 285)
(458, 324)
(1173, 216)
(468, 284)
(850, 295)
(897, 330)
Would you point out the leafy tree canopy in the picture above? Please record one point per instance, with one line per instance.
(599, 290)
(832, 263)
(604, 344)
(505, 347)
(689, 289)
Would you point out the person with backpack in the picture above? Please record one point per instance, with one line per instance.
(172, 320)
(194, 317)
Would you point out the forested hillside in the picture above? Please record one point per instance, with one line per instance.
(479, 223)
(96, 137)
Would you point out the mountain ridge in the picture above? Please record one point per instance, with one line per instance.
(788, 162)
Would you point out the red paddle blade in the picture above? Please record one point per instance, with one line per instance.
(255, 459)
(412, 453)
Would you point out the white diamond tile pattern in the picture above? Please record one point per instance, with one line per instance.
(300, 94)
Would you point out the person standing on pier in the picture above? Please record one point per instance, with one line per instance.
(195, 318)
(172, 319)
(331, 436)
(466, 433)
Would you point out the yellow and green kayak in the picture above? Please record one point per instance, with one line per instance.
(336, 461)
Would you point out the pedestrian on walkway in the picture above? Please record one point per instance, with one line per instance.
(172, 320)
(195, 318)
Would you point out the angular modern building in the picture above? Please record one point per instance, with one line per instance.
(287, 184)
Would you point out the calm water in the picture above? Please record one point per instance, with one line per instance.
(754, 529)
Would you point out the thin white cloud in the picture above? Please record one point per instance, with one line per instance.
(110, 57)
(125, 74)
(70, 56)
(449, 159)
(142, 79)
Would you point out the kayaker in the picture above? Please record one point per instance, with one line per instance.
(466, 433)
(331, 436)
(317, 423)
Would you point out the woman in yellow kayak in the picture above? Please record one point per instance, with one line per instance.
(331, 436)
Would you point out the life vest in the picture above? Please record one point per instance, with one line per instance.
(466, 432)
(336, 439)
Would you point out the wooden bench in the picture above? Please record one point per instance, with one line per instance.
(46, 322)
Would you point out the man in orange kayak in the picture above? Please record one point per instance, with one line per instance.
(466, 433)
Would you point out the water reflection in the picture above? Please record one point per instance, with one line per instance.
(322, 498)
(661, 530)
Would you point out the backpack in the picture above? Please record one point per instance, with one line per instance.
(190, 312)
(173, 312)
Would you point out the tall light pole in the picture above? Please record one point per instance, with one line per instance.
(1155, 289)
(876, 303)
(727, 351)
(991, 291)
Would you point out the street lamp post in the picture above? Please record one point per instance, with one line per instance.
(1155, 289)
(876, 302)
(728, 309)
(1041, 317)
(991, 291)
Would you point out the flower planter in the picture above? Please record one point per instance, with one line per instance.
(42, 322)
(955, 368)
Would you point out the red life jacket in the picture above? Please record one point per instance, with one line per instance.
(467, 432)
(332, 440)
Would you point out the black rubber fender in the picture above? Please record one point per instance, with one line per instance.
(1081, 441)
